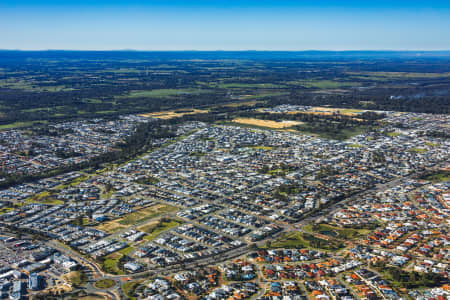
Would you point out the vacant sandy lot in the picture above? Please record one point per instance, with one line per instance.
(141, 215)
(93, 298)
(330, 110)
(320, 110)
(266, 123)
(169, 114)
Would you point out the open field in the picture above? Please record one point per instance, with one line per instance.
(136, 217)
(129, 288)
(20, 124)
(58, 289)
(439, 176)
(248, 85)
(264, 94)
(330, 111)
(31, 85)
(356, 146)
(266, 123)
(44, 198)
(324, 84)
(155, 228)
(397, 75)
(43, 108)
(339, 232)
(321, 110)
(76, 278)
(341, 134)
(243, 103)
(298, 240)
(146, 214)
(110, 264)
(419, 150)
(170, 114)
(393, 134)
(162, 93)
(127, 250)
(263, 148)
(6, 210)
(51, 201)
(430, 144)
(129, 85)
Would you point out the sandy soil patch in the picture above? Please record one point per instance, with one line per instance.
(169, 114)
(93, 298)
(318, 110)
(147, 225)
(266, 123)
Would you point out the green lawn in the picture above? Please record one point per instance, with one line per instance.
(127, 250)
(6, 210)
(419, 150)
(351, 111)
(393, 133)
(356, 145)
(78, 278)
(154, 230)
(104, 283)
(439, 176)
(129, 288)
(402, 279)
(339, 232)
(110, 264)
(300, 240)
(45, 198)
(108, 193)
(52, 201)
(430, 144)
(81, 221)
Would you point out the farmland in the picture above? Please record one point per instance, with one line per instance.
(135, 84)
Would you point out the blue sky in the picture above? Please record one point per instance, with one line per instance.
(225, 25)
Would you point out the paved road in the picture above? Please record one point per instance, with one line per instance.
(214, 259)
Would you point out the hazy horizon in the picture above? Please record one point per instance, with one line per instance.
(231, 50)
